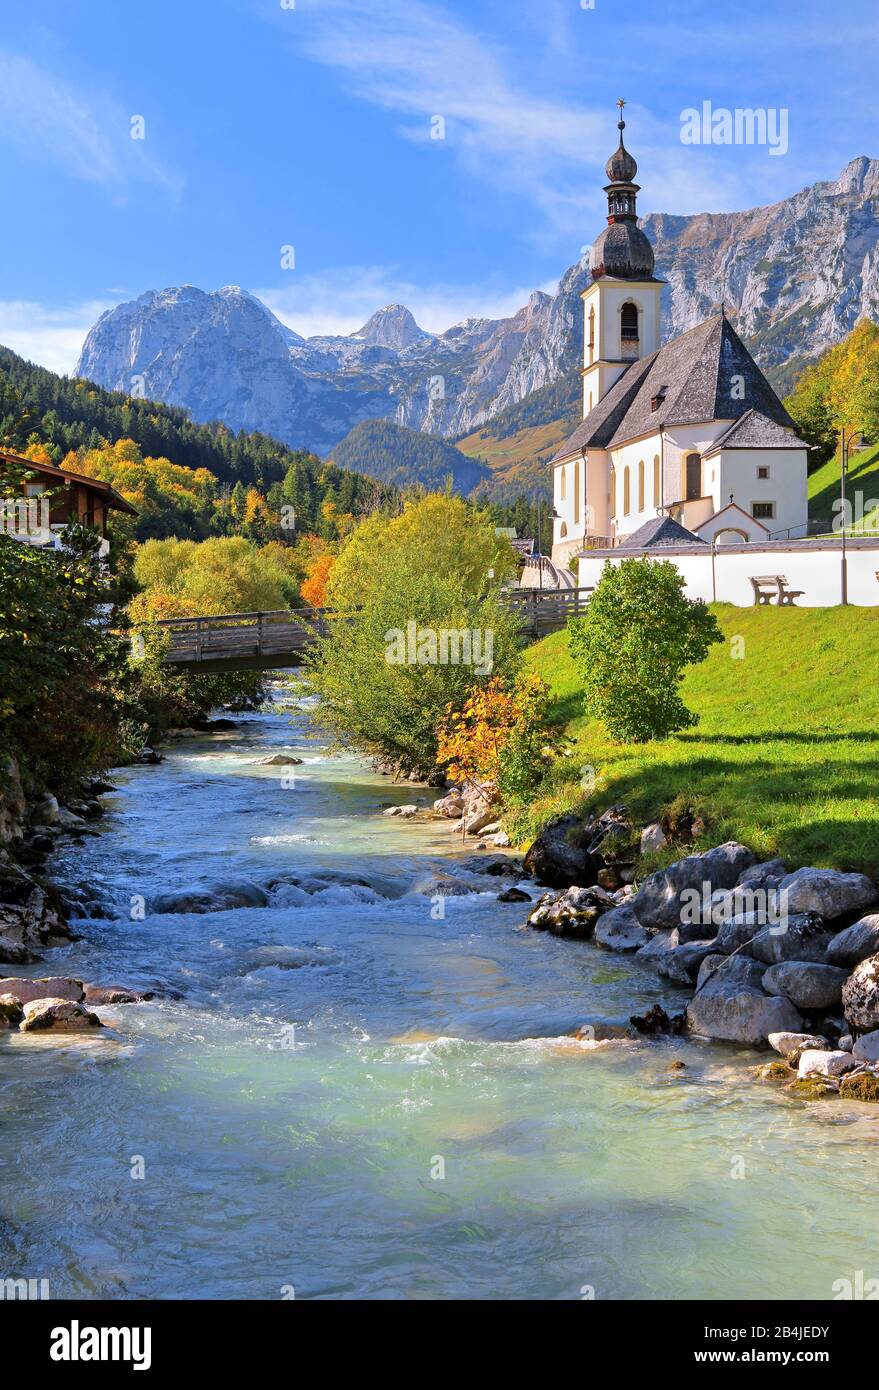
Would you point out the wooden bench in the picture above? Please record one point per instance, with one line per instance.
(767, 586)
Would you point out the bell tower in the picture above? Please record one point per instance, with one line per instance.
(621, 306)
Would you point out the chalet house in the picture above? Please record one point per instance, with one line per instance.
(49, 498)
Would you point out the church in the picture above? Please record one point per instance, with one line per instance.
(679, 443)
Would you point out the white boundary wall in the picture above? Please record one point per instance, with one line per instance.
(813, 566)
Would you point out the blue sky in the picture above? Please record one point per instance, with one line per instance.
(307, 123)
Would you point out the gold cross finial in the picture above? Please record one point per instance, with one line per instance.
(621, 101)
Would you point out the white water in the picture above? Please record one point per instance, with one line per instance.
(269, 1166)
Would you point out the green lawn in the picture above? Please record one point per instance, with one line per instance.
(786, 753)
(863, 476)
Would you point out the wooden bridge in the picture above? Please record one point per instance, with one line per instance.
(273, 641)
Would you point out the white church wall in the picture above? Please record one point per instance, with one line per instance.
(682, 440)
(631, 456)
(814, 568)
(786, 487)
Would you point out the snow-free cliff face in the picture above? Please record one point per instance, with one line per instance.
(795, 277)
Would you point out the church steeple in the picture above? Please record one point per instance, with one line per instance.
(622, 249)
(621, 305)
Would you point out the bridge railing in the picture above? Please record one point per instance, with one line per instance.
(547, 610)
(233, 636)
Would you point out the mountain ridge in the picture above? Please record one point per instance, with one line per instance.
(794, 275)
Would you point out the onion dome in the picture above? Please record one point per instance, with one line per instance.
(622, 250)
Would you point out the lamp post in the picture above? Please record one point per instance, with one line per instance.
(853, 437)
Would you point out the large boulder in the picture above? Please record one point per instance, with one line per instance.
(827, 892)
(62, 1015)
(731, 1006)
(860, 996)
(572, 913)
(855, 943)
(672, 896)
(558, 856)
(738, 931)
(51, 987)
(806, 984)
(802, 936)
(620, 930)
(223, 897)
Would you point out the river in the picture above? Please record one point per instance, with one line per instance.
(341, 1096)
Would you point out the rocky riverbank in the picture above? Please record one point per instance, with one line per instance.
(786, 960)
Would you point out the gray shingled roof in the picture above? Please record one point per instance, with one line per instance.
(755, 431)
(696, 370)
(662, 530)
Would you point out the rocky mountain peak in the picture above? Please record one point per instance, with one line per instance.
(391, 327)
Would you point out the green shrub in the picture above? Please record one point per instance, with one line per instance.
(633, 644)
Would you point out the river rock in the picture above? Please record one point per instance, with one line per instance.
(31, 912)
(802, 936)
(682, 963)
(866, 1048)
(278, 760)
(13, 953)
(830, 1063)
(513, 895)
(739, 931)
(45, 810)
(653, 837)
(827, 892)
(451, 806)
(806, 984)
(860, 995)
(51, 987)
(223, 897)
(558, 856)
(659, 902)
(447, 886)
(731, 1005)
(855, 943)
(790, 1043)
(658, 947)
(620, 930)
(708, 967)
(11, 1012)
(113, 994)
(63, 1015)
(407, 812)
(573, 913)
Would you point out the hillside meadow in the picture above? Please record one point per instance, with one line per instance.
(785, 756)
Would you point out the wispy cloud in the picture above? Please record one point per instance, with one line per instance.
(47, 335)
(342, 300)
(87, 137)
(419, 61)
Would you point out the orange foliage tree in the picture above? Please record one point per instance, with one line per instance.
(314, 586)
(497, 735)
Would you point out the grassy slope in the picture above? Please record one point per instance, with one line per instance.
(863, 476)
(523, 455)
(786, 754)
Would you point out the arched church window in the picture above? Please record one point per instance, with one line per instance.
(627, 491)
(612, 499)
(592, 334)
(563, 531)
(656, 483)
(694, 477)
(563, 487)
(629, 330)
(577, 493)
(641, 485)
